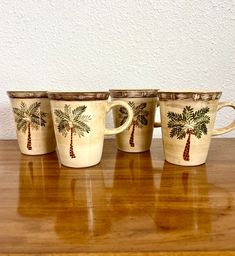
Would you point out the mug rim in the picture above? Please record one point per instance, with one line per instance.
(133, 93)
(27, 94)
(195, 95)
(76, 95)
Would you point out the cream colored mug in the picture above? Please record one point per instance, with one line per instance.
(187, 120)
(79, 124)
(34, 128)
(138, 136)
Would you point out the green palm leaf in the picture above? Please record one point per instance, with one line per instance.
(63, 127)
(188, 121)
(80, 128)
(78, 111)
(141, 120)
(123, 115)
(33, 108)
(123, 110)
(139, 109)
(22, 125)
(61, 115)
(72, 120)
(32, 115)
(200, 113)
(23, 106)
(18, 112)
(37, 120)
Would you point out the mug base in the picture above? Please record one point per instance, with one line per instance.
(136, 151)
(38, 154)
(186, 165)
(79, 167)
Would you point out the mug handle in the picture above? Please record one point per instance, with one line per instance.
(121, 128)
(157, 124)
(229, 127)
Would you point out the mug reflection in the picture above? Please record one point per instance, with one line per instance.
(134, 188)
(183, 202)
(38, 177)
(84, 210)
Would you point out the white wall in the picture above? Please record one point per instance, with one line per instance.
(99, 44)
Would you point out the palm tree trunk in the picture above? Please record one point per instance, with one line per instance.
(131, 141)
(29, 143)
(187, 148)
(71, 153)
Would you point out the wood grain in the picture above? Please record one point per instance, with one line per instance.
(128, 203)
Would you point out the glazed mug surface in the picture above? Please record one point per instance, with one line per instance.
(187, 120)
(34, 128)
(79, 124)
(138, 136)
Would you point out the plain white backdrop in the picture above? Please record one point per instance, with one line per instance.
(98, 45)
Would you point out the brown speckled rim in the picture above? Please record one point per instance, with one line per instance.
(27, 94)
(81, 96)
(134, 93)
(182, 95)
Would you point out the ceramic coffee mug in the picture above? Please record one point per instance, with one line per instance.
(33, 121)
(138, 136)
(79, 124)
(187, 120)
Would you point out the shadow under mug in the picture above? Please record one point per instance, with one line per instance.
(34, 128)
(138, 136)
(187, 120)
(79, 124)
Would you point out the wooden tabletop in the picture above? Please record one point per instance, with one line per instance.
(127, 203)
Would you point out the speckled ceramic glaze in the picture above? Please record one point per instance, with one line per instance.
(33, 121)
(187, 120)
(138, 136)
(79, 123)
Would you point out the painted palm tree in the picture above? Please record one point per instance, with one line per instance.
(73, 121)
(139, 119)
(28, 118)
(188, 123)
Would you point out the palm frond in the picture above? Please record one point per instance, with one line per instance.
(34, 126)
(18, 112)
(63, 127)
(132, 104)
(203, 119)
(78, 111)
(43, 114)
(200, 113)
(123, 119)
(33, 108)
(142, 120)
(139, 109)
(199, 129)
(174, 117)
(123, 114)
(178, 131)
(67, 110)
(123, 110)
(83, 118)
(141, 106)
(144, 113)
(37, 120)
(61, 115)
(80, 128)
(21, 125)
(23, 106)
(18, 119)
(187, 114)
